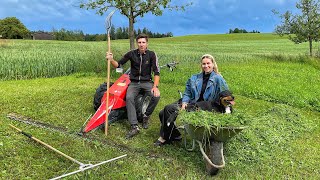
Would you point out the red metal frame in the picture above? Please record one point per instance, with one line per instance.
(117, 95)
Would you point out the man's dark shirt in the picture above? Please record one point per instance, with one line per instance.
(141, 65)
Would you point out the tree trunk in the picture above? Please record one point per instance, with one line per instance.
(310, 46)
(131, 32)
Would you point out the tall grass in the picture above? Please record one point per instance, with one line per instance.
(281, 71)
(33, 59)
(27, 59)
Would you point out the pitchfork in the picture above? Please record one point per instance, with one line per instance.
(108, 27)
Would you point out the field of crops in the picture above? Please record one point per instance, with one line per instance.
(275, 84)
(29, 59)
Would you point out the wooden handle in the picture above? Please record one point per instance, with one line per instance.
(108, 85)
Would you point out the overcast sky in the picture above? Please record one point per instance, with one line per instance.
(203, 17)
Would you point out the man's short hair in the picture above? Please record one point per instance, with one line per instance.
(142, 36)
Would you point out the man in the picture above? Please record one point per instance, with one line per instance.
(143, 63)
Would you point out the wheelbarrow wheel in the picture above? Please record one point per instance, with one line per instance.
(213, 150)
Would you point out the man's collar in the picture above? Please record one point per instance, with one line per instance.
(143, 53)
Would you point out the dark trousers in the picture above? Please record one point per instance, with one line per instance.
(167, 116)
(132, 92)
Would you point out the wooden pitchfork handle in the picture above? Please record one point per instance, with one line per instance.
(108, 85)
(108, 26)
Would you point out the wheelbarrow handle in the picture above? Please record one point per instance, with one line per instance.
(207, 158)
(185, 141)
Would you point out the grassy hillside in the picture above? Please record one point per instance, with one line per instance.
(275, 86)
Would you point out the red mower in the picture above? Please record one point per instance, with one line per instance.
(117, 104)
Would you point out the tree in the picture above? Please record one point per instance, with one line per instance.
(12, 28)
(169, 34)
(304, 27)
(119, 33)
(132, 9)
(113, 32)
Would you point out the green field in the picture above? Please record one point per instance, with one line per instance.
(275, 84)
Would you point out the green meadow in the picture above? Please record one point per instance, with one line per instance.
(275, 83)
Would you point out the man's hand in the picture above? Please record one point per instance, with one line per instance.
(109, 56)
(155, 91)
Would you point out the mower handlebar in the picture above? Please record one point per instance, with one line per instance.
(170, 65)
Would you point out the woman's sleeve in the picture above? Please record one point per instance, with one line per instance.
(187, 92)
(222, 84)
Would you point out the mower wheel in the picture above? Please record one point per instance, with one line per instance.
(141, 102)
(99, 94)
(115, 115)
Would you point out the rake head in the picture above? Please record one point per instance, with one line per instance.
(108, 21)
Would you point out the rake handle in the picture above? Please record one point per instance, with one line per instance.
(46, 145)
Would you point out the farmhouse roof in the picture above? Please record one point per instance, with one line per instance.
(42, 35)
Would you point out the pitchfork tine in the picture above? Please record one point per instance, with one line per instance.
(108, 20)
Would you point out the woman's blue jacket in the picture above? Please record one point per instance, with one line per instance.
(215, 85)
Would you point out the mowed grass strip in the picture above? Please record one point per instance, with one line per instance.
(275, 132)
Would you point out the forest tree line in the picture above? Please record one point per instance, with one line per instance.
(115, 33)
(237, 30)
(13, 28)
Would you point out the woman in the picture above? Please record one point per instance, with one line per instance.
(204, 86)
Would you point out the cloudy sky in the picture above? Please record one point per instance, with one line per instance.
(202, 17)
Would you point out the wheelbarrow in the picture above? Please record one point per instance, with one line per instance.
(210, 143)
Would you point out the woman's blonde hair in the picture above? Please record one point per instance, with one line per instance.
(215, 66)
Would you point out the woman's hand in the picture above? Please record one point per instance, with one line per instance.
(184, 105)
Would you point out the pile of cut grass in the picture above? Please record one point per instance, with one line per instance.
(210, 119)
(204, 125)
